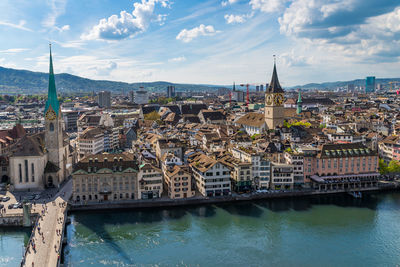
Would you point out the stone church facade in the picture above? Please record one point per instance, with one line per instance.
(45, 159)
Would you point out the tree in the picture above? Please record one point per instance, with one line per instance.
(394, 167)
(152, 116)
(383, 167)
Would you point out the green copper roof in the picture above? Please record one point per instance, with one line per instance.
(299, 100)
(52, 99)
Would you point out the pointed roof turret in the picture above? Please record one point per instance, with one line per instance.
(274, 86)
(52, 99)
(299, 99)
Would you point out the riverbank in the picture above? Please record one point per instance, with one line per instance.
(166, 202)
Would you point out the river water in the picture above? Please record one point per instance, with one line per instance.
(12, 241)
(315, 231)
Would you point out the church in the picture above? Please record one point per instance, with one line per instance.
(45, 159)
(274, 111)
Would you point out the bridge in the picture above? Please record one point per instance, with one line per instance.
(45, 243)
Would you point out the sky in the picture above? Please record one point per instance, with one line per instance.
(204, 42)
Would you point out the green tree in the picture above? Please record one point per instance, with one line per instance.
(393, 167)
(383, 167)
(152, 116)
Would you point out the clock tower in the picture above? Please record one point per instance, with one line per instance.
(274, 98)
(54, 141)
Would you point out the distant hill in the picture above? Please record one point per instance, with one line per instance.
(29, 82)
(334, 85)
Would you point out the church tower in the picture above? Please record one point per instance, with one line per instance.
(54, 142)
(274, 97)
(299, 104)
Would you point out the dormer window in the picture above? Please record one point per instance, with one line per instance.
(90, 160)
(96, 160)
(105, 160)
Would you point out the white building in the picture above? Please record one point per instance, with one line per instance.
(150, 182)
(91, 141)
(212, 177)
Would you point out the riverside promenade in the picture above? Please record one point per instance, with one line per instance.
(44, 247)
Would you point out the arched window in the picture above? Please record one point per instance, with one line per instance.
(51, 127)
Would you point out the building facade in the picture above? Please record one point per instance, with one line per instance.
(274, 99)
(105, 177)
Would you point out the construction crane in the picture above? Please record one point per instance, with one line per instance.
(248, 92)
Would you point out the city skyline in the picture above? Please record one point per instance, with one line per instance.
(213, 42)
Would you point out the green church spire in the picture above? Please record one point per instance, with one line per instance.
(52, 99)
(299, 104)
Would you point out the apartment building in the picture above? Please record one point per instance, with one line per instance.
(178, 181)
(150, 182)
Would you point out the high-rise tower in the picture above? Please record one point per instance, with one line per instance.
(274, 97)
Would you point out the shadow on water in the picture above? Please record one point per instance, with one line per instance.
(242, 209)
(369, 201)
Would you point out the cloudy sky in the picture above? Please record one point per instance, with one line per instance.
(208, 41)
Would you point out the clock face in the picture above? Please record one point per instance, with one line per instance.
(50, 115)
(278, 99)
(268, 99)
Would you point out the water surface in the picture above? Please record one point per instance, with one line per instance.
(318, 231)
(12, 243)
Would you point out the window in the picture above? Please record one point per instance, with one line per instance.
(51, 127)
(26, 171)
(33, 172)
(20, 172)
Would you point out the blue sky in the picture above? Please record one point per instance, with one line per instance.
(209, 42)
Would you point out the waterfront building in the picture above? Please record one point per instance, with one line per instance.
(104, 99)
(178, 181)
(274, 98)
(297, 160)
(105, 177)
(43, 159)
(345, 166)
(241, 176)
(150, 181)
(212, 177)
(282, 176)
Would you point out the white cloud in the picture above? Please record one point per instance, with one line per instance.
(14, 50)
(106, 70)
(347, 28)
(57, 8)
(127, 24)
(20, 25)
(188, 35)
(294, 60)
(270, 6)
(229, 2)
(231, 19)
(177, 59)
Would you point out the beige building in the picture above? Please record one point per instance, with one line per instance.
(105, 177)
(178, 181)
(150, 182)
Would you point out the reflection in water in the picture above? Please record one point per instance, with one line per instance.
(315, 231)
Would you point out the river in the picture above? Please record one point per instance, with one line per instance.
(315, 231)
(12, 241)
